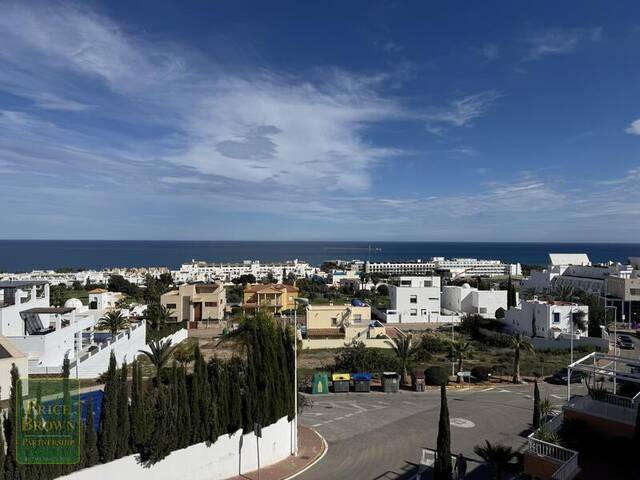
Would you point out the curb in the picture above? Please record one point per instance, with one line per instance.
(325, 448)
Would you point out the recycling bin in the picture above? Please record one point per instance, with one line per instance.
(390, 382)
(320, 383)
(361, 382)
(341, 382)
(418, 381)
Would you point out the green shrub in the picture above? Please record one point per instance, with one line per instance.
(436, 376)
(480, 372)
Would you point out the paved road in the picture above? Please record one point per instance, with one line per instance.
(380, 436)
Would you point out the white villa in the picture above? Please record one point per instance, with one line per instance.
(468, 300)
(536, 318)
(414, 300)
(45, 334)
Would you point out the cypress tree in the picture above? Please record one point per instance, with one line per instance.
(138, 412)
(159, 443)
(195, 395)
(108, 434)
(183, 410)
(13, 470)
(90, 454)
(123, 435)
(442, 469)
(235, 396)
(2, 457)
(536, 405)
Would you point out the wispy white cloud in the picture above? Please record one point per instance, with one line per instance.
(633, 128)
(490, 51)
(559, 41)
(461, 112)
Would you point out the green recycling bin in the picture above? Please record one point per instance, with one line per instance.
(320, 383)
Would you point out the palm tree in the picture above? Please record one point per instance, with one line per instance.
(405, 351)
(563, 293)
(184, 352)
(460, 350)
(159, 354)
(113, 321)
(519, 343)
(158, 315)
(579, 322)
(546, 407)
(498, 456)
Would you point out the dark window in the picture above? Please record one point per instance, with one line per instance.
(171, 305)
(210, 304)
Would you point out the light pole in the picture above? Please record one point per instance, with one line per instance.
(615, 344)
(303, 301)
(453, 363)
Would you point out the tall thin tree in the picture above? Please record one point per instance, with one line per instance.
(124, 427)
(536, 405)
(108, 433)
(442, 469)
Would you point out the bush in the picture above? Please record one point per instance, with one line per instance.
(480, 372)
(436, 376)
(356, 357)
(430, 344)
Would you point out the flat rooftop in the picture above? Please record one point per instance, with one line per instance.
(22, 283)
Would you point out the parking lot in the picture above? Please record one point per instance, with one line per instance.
(380, 436)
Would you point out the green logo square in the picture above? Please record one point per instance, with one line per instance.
(48, 421)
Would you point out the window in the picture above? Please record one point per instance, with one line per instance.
(405, 283)
(357, 318)
(635, 291)
(423, 312)
(413, 299)
(413, 312)
(171, 305)
(210, 304)
(556, 317)
(334, 321)
(428, 283)
(483, 310)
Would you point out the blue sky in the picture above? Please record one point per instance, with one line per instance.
(479, 121)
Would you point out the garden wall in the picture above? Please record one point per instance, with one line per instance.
(229, 456)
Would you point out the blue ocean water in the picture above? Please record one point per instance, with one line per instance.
(26, 255)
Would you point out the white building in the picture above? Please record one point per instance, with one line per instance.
(468, 300)
(459, 267)
(198, 271)
(341, 278)
(535, 318)
(101, 299)
(574, 271)
(414, 300)
(45, 335)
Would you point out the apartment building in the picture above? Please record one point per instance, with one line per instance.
(273, 298)
(199, 271)
(458, 267)
(196, 302)
(414, 300)
(536, 318)
(101, 299)
(468, 300)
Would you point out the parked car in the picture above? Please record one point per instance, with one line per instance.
(625, 342)
(560, 377)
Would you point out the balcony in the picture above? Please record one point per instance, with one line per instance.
(546, 460)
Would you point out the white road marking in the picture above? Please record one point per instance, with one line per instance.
(488, 389)
(317, 425)
(349, 415)
(338, 418)
(504, 391)
(560, 397)
(408, 403)
(528, 396)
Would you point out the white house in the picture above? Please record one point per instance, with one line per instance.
(101, 299)
(466, 299)
(536, 318)
(45, 335)
(414, 300)
(340, 278)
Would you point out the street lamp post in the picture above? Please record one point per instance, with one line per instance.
(303, 301)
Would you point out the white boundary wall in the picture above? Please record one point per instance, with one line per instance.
(175, 338)
(229, 456)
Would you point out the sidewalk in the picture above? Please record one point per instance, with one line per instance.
(311, 448)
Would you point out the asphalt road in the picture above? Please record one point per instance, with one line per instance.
(380, 436)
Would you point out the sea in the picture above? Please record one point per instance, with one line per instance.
(27, 255)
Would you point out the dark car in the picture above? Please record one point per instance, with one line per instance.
(560, 377)
(625, 342)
